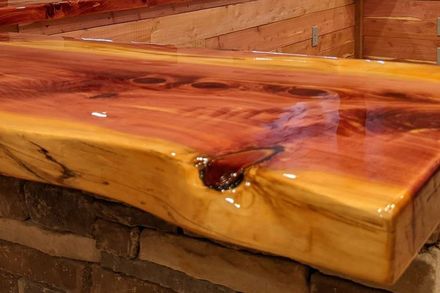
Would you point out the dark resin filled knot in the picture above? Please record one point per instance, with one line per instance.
(227, 171)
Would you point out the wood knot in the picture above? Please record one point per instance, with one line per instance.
(227, 171)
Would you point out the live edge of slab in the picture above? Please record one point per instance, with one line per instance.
(333, 163)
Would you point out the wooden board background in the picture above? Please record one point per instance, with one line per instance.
(282, 26)
(401, 29)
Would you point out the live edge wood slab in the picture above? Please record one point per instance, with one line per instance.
(329, 162)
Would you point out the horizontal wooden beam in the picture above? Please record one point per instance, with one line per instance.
(17, 12)
(185, 28)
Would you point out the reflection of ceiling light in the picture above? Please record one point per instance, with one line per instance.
(100, 114)
(97, 40)
(387, 209)
(230, 200)
(290, 176)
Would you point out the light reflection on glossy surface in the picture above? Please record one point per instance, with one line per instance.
(324, 131)
(99, 114)
(283, 142)
(290, 176)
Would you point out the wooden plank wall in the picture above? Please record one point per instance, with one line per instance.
(282, 26)
(403, 30)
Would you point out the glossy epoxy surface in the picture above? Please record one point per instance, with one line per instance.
(362, 135)
(382, 129)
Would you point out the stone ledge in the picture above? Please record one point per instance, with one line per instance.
(164, 276)
(234, 269)
(12, 203)
(53, 243)
(116, 238)
(42, 268)
(129, 216)
(8, 283)
(74, 213)
(56, 260)
(106, 281)
(27, 286)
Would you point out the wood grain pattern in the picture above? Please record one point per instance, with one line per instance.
(16, 12)
(252, 25)
(186, 28)
(88, 21)
(338, 43)
(403, 49)
(283, 33)
(401, 30)
(330, 162)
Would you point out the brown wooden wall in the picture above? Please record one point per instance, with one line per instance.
(401, 29)
(282, 25)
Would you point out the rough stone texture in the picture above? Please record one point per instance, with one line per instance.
(39, 267)
(8, 283)
(116, 238)
(224, 244)
(27, 286)
(53, 243)
(238, 270)
(129, 216)
(106, 281)
(74, 213)
(166, 277)
(325, 284)
(174, 263)
(12, 199)
(423, 275)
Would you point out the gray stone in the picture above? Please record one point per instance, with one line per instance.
(53, 243)
(165, 277)
(8, 283)
(27, 286)
(130, 216)
(105, 281)
(39, 267)
(59, 208)
(12, 204)
(116, 238)
(238, 270)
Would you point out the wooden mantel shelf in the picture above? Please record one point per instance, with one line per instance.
(27, 11)
(329, 162)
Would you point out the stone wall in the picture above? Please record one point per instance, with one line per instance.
(59, 240)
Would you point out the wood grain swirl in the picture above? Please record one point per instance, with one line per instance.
(330, 162)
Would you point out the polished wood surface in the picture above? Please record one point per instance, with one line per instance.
(22, 11)
(330, 162)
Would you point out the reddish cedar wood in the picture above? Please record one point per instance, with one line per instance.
(14, 12)
(329, 162)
